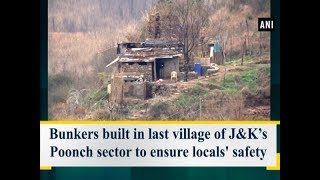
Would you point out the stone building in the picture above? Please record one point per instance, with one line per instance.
(150, 60)
(139, 63)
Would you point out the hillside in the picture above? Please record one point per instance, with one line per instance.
(236, 92)
(82, 39)
(94, 15)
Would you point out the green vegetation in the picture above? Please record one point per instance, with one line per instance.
(191, 96)
(250, 78)
(224, 93)
(58, 87)
(230, 83)
(185, 100)
(199, 90)
(96, 96)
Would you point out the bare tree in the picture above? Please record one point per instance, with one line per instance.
(244, 48)
(248, 44)
(260, 44)
(193, 15)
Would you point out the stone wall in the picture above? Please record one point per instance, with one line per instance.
(135, 90)
(136, 68)
(116, 89)
(191, 75)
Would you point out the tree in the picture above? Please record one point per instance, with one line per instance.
(193, 16)
(182, 21)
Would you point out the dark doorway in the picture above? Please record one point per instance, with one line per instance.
(153, 71)
(159, 69)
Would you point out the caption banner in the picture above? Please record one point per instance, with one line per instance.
(158, 145)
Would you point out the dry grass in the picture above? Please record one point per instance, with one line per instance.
(76, 58)
(74, 52)
(229, 27)
(81, 40)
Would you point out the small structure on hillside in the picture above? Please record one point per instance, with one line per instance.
(142, 63)
(152, 60)
(216, 53)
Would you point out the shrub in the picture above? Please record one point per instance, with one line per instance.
(58, 87)
(185, 100)
(57, 80)
(101, 114)
(199, 90)
(157, 111)
(229, 83)
(249, 78)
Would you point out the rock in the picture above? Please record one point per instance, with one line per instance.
(192, 75)
(205, 69)
(210, 72)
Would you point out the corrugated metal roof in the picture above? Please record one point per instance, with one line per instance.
(124, 59)
(148, 59)
(148, 54)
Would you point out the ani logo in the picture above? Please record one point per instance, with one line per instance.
(266, 24)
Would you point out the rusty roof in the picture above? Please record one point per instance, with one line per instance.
(149, 54)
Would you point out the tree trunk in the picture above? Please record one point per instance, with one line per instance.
(202, 51)
(186, 66)
(186, 45)
(223, 47)
(242, 58)
(260, 45)
(247, 24)
(231, 46)
(243, 51)
(131, 8)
